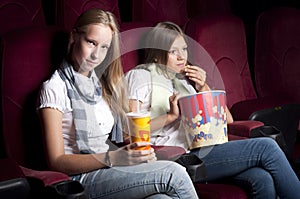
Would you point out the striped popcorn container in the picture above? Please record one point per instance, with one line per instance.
(203, 118)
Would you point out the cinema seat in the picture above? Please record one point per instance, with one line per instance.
(277, 54)
(277, 58)
(131, 40)
(16, 14)
(223, 37)
(160, 10)
(67, 11)
(26, 56)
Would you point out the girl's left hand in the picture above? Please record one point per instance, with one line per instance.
(197, 75)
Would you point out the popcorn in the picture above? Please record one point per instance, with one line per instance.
(208, 126)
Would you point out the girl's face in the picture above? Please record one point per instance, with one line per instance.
(177, 56)
(90, 48)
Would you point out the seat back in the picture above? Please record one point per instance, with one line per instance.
(277, 53)
(160, 10)
(27, 60)
(20, 13)
(68, 10)
(223, 37)
(204, 7)
(131, 44)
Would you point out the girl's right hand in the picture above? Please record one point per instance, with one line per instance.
(128, 155)
(174, 112)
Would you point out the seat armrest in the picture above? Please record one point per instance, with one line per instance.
(45, 177)
(168, 152)
(243, 128)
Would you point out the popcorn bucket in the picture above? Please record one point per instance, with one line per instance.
(203, 118)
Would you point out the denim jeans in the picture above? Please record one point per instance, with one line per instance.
(160, 180)
(258, 161)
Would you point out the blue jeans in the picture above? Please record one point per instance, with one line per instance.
(160, 180)
(258, 161)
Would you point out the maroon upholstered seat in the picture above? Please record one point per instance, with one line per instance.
(16, 14)
(26, 62)
(277, 53)
(68, 10)
(277, 58)
(160, 10)
(223, 37)
(27, 58)
(13, 183)
(237, 130)
(205, 7)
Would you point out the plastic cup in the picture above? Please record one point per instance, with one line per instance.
(139, 128)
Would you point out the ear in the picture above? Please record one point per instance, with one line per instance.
(72, 36)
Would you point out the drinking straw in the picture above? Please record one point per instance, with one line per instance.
(137, 102)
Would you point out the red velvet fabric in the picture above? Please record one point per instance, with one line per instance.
(45, 177)
(242, 128)
(204, 7)
(277, 53)
(10, 170)
(156, 11)
(26, 63)
(168, 152)
(130, 42)
(16, 14)
(223, 37)
(219, 191)
(69, 10)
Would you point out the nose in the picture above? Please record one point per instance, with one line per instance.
(181, 54)
(95, 53)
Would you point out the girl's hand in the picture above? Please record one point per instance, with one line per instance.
(174, 112)
(197, 75)
(127, 155)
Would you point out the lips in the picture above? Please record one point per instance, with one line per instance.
(181, 65)
(91, 62)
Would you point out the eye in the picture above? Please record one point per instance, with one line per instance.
(173, 52)
(90, 42)
(105, 46)
(185, 49)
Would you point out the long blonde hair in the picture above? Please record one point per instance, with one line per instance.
(110, 71)
(159, 41)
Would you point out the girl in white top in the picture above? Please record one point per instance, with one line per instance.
(82, 109)
(258, 163)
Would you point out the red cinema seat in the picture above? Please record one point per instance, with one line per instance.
(16, 14)
(277, 58)
(26, 61)
(223, 37)
(160, 10)
(277, 53)
(68, 10)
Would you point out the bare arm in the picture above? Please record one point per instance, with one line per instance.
(51, 120)
(162, 120)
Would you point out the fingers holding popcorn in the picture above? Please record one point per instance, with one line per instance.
(197, 75)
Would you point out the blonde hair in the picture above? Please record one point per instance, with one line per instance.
(110, 71)
(159, 41)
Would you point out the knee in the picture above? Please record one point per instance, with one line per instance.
(268, 143)
(174, 167)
